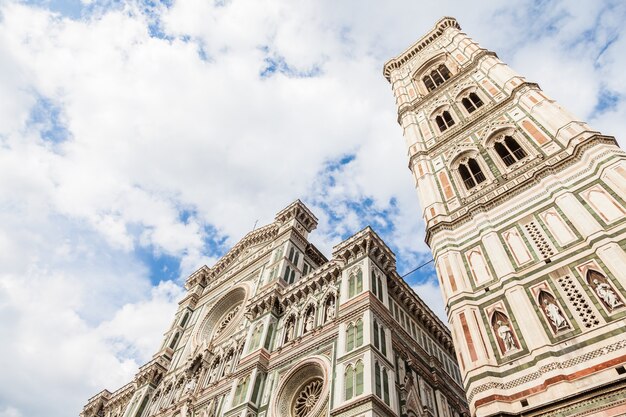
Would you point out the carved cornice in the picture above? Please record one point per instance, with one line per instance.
(299, 211)
(315, 254)
(95, 403)
(366, 242)
(152, 372)
(405, 295)
(424, 41)
(206, 274)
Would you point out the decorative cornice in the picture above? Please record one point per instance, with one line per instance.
(413, 303)
(435, 32)
(298, 210)
(206, 274)
(366, 242)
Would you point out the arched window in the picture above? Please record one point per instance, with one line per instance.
(353, 378)
(185, 319)
(351, 285)
(358, 386)
(385, 386)
(268, 338)
(355, 283)
(291, 253)
(380, 341)
(350, 338)
(509, 150)
(376, 337)
(436, 77)
(349, 378)
(255, 340)
(472, 102)
(377, 381)
(354, 335)
(374, 284)
(471, 173)
(174, 341)
(444, 121)
(290, 275)
(359, 333)
(241, 391)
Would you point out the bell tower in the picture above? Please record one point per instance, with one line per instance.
(525, 212)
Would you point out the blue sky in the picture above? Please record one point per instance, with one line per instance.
(141, 140)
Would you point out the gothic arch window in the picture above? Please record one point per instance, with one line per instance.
(555, 317)
(255, 339)
(241, 391)
(509, 150)
(471, 102)
(214, 371)
(174, 341)
(471, 173)
(353, 379)
(381, 382)
(380, 339)
(354, 335)
(289, 275)
(505, 335)
(377, 285)
(268, 339)
(355, 283)
(444, 121)
(603, 289)
(436, 77)
(185, 319)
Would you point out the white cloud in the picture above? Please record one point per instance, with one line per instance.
(185, 123)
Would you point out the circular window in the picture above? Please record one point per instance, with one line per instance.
(308, 398)
(224, 317)
(303, 391)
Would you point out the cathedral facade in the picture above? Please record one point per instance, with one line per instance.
(275, 329)
(525, 209)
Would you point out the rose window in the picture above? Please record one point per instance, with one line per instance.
(307, 398)
(304, 390)
(225, 321)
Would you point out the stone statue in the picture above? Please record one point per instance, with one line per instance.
(554, 314)
(289, 332)
(309, 322)
(330, 311)
(504, 332)
(191, 385)
(606, 293)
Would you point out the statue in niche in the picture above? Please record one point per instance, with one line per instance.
(191, 384)
(554, 314)
(552, 311)
(289, 331)
(606, 293)
(310, 319)
(500, 324)
(330, 310)
(603, 290)
(504, 332)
